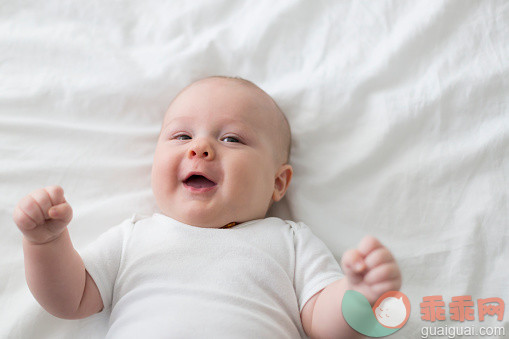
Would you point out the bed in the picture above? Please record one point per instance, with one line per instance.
(399, 112)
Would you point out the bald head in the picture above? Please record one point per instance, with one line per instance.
(281, 133)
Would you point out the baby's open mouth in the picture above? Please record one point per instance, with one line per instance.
(199, 181)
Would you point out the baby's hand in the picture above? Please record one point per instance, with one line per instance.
(371, 269)
(43, 214)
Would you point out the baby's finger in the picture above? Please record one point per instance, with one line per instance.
(378, 257)
(23, 221)
(30, 208)
(61, 212)
(56, 194)
(368, 244)
(352, 262)
(381, 273)
(43, 200)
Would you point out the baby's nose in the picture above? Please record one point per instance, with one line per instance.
(201, 149)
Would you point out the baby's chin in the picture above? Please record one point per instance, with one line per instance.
(205, 220)
(197, 218)
(209, 214)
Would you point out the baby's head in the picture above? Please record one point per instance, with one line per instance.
(222, 154)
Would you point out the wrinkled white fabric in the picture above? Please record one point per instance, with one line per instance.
(399, 114)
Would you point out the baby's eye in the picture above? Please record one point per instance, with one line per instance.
(230, 139)
(182, 137)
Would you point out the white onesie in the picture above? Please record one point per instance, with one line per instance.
(161, 278)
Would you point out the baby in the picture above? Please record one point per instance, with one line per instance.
(210, 264)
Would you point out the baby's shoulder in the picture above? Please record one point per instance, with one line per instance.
(295, 226)
(138, 217)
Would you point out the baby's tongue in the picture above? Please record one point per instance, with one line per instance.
(198, 181)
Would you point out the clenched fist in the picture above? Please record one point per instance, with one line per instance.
(43, 214)
(371, 269)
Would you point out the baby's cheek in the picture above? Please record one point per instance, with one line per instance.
(164, 173)
(243, 190)
(240, 184)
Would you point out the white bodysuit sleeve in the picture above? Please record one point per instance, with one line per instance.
(102, 259)
(315, 266)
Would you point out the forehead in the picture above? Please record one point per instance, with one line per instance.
(223, 99)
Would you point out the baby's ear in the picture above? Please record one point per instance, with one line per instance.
(282, 181)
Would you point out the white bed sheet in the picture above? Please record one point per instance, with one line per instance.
(399, 113)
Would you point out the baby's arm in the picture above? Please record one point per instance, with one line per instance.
(54, 271)
(370, 270)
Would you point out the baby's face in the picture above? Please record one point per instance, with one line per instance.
(215, 158)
